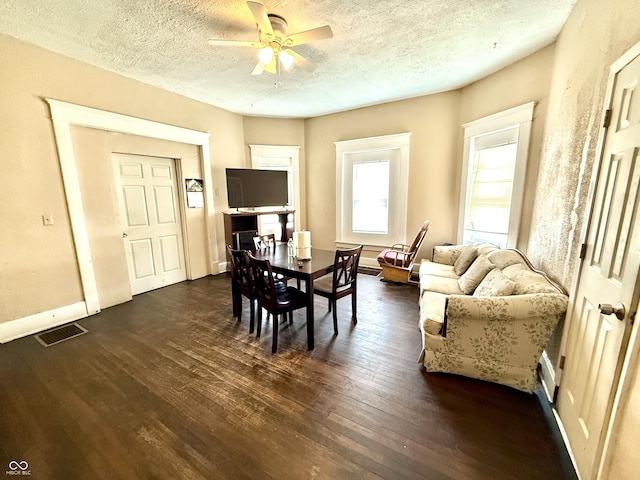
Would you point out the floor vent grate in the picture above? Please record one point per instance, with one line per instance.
(60, 334)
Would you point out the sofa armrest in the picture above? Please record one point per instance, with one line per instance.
(517, 325)
(446, 254)
(497, 339)
(509, 308)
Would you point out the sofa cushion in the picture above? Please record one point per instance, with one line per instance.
(438, 269)
(475, 274)
(486, 248)
(466, 258)
(503, 258)
(446, 254)
(448, 286)
(495, 284)
(527, 281)
(432, 306)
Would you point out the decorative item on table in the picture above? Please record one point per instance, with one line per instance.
(291, 252)
(302, 244)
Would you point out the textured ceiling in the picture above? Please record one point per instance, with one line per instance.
(382, 50)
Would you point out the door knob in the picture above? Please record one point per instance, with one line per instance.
(124, 235)
(608, 309)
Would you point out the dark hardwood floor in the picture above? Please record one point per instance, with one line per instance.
(170, 386)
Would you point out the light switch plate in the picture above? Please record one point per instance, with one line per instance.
(47, 220)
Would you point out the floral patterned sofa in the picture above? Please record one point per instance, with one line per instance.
(486, 313)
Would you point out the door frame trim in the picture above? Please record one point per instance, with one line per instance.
(64, 115)
(631, 346)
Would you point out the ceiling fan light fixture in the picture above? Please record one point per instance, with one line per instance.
(265, 55)
(275, 44)
(286, 58)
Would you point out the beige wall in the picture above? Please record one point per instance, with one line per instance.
(95, 174)
(47, 253)
(524, 81)
(596, 34)
(277, 131)
(434, 123)
(436, 147)
(38, 270)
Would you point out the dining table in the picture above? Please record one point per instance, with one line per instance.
(321, 263)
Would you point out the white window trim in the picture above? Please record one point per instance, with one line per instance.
(398, 209)
(259, 159)
(521, 116)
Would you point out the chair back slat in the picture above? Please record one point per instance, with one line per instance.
(346, 267)
(241, 268)
(264, 281)
(264, 242)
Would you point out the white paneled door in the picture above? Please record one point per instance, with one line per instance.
(150, 216)
(601, 316)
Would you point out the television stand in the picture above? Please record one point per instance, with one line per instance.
(241, 226)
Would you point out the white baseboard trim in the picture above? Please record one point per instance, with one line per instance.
(22, 327)
(369, 262)
(223, 266)
(565, 439)
(547, 377)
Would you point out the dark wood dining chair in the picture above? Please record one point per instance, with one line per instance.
(273, 300)
(342, 282)
(267, 242)
(263, 242)
(242, 284)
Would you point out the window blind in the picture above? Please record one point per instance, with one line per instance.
(490, 191)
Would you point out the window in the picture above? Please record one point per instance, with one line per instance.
(370, 209)
(276, 157)
(371, 190)
(493, 174)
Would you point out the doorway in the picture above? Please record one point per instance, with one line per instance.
(149, 208)
(65, 115)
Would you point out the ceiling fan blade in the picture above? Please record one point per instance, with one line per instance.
(259, 68)
(234, 43)
(301, 61)
(307, 36)
(260, 14)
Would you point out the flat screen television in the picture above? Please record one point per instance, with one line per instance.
(250, 188)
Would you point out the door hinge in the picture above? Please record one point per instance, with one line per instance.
(632, 317)
(583, 251)
(562, 360)
(607, 118)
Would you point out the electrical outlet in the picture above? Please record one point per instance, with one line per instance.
(47, 220)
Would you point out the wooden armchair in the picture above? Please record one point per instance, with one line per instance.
(397, 261)
(264, 242)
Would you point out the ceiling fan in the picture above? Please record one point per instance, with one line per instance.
(274, 44)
